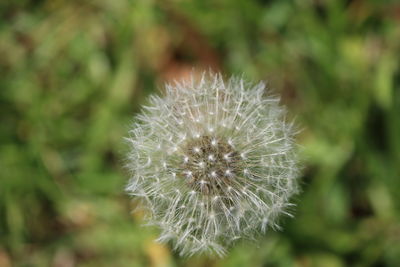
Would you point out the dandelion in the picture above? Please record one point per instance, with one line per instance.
(212, 162)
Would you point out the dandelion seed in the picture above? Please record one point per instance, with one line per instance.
(213, 162)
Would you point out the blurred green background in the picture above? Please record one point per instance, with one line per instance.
(73, 74)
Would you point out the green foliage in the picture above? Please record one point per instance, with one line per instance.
(72, 75)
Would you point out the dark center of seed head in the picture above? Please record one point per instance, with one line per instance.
(210, 165)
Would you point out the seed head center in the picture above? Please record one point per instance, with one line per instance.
(212, 164)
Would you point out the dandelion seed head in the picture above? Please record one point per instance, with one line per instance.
(213, 161)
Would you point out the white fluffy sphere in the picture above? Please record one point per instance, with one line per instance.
(212, 162)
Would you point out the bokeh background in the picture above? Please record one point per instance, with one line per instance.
(74, 73)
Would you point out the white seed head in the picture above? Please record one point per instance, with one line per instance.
(232, 174)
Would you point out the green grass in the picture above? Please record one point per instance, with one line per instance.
(73, 74)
